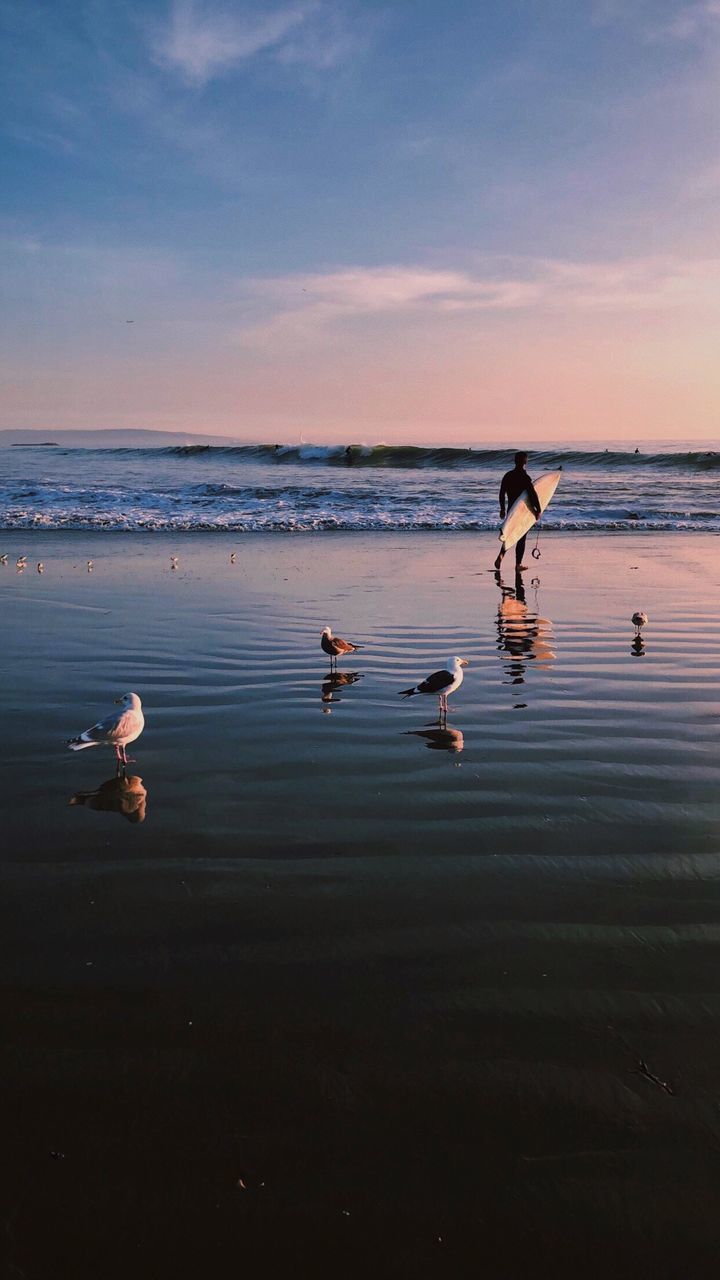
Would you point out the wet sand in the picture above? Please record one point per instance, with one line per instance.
(332, 989)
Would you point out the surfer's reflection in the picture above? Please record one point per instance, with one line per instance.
(637, 648)
(122, 794)
(440, 738)
(335, 680)
(523, 636)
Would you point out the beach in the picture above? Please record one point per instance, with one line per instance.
(326, 987)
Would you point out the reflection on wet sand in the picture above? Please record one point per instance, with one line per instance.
(335, 680)
(122, 794)
(440, 738)
(523, 636)
(637, 648)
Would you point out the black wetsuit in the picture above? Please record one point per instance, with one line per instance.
(514, 483)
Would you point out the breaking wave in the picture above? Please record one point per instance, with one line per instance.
(421, 456)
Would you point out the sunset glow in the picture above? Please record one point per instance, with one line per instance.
(416, 223)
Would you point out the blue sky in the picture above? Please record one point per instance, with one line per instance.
(363, 216)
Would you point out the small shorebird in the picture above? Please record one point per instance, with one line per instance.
(233, 557)
(173, 562)
(639, 620)
(89, 566)
(21, 562)
(117, 730)
(41, 567)
(335, 647)
(442, 683)
(3, 559)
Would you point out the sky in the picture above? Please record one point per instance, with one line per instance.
(413, 221)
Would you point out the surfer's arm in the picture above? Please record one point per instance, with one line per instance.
(534, 500)
(502, 499)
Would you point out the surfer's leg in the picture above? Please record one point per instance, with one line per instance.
(520, 552)
(499, 560)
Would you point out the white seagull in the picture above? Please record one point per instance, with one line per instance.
(639, 620)
(117, 730)
(336, 647)
(442, 683)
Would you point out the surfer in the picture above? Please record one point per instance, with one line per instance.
(515, 483)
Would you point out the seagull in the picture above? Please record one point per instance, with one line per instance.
(41, 567)
(336, 647)
(639, 620)
(443, 683)
(117, 730)
(3, 559)
(21, 562)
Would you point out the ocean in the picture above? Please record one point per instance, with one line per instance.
(296, 488)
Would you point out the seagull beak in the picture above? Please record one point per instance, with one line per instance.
(464, 662)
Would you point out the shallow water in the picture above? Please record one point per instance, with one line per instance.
(419, 990)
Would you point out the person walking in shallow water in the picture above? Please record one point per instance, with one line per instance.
(514, 483)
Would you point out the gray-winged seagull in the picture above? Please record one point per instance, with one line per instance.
(442, 683)
(117, 730)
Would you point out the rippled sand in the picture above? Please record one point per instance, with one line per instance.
(325, 984)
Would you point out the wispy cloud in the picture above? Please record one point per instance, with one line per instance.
(201, 42)
(296, 307)
(691, 22)
(684, 21)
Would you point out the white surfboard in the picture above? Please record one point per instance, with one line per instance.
(520, 518)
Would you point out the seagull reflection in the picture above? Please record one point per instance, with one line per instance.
(121, 794)
(523, 636)
(637, 648)
(335, 680)
(440, 738)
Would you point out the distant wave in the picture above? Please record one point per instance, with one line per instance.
(410, 456)
(421, 456)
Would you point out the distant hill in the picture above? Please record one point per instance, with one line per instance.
(111, 438)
